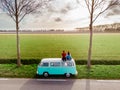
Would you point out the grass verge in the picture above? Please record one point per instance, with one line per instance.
(11, 70)
(29, 71)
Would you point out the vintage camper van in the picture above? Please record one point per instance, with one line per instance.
(56, 66)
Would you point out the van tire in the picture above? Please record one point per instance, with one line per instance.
(67, 75)
(45, 74)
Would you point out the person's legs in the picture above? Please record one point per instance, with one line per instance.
(64, 58)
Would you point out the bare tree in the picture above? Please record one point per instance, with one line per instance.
(96, 8)
(17, 10)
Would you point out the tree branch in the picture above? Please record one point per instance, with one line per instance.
(88, 5)
(112, 3)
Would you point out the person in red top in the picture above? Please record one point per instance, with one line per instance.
(64, 55)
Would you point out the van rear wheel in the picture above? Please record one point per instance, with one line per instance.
(67, 75)
(45, 74)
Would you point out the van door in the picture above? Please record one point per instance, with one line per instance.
(44, 67)
(55, 68)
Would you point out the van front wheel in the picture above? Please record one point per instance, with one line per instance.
(67, 75)
(45, 74)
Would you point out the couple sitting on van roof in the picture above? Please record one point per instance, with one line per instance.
(66, 56)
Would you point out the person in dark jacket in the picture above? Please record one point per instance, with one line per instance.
(68, 57)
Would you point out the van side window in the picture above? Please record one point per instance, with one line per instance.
(56, 64)
(64, 64)
(70, 64)
(46, 64)
(67, 64)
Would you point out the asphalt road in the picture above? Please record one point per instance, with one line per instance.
(58, 84)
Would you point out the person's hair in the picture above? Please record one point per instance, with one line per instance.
(68, 53)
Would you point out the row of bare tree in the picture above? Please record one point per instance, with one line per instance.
(102, 28)
(18, 9)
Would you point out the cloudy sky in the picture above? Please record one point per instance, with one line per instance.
(61, 14)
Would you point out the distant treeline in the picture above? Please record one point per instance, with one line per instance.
(99, 28)
(51, 30)
(102, 28)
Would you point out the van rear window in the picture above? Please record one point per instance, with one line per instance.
(67, 64)
(70, 64)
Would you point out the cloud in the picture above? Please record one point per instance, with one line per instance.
(1, 11)
(6, 22)
(58, 19)
(113, 11)
(62, 7)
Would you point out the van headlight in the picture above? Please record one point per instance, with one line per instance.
(76, 72)
(37, 72)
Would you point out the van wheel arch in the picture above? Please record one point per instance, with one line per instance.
(68, 75)
(45, 74)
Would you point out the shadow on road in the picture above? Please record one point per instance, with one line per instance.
(57, 83)
(48, 84)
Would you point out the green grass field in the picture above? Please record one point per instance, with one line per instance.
(37, 46)
(29, 71)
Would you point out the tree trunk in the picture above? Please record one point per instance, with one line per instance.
(17, 37)
(91, 35)
(90, 47)
(18, 45)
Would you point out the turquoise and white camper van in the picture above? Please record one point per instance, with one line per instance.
(56, 66)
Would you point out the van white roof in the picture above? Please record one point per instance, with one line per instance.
(52, 59)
